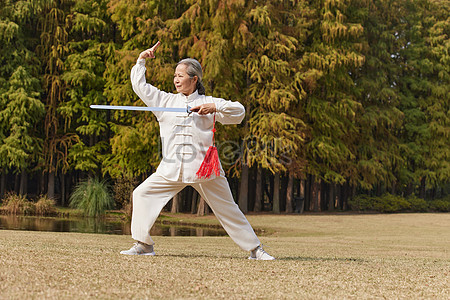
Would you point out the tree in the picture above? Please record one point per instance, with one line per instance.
(23, 112)
(52, 51)
(331, 105)
(437, 104)
(20, 107)
(89, 48)
(378, 155)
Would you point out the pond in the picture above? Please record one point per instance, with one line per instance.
(91, 225)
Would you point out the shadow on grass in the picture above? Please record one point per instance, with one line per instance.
(297, 258)
(339, 259)
(197, 256)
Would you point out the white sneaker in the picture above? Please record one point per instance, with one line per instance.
(259, 254)
(139, 249)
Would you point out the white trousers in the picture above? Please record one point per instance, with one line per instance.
(150, 197)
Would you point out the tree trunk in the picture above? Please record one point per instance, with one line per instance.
(41, 184)
(276, 194)
(346, 192)
(319, 196)
(353, 194)
(202, 208)
(284, 180)
(307, 205)
(315, 198)
(3, 185)
(301, 188)
(270, 187)
(194, 201)
(393, 188)
(339, 196)
(301, 194)
(422, 188)
(23, 183)
(290, 194)
(175, 204)
(323, 196)
(16, 183)
(331, 197)
(251, 188)
(243, 190)
(258, 192)
(51, 185)
(63, 189)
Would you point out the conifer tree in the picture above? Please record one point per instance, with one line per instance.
(20, 106)
(424, 85)
(88, 51)
(378, 157)
(437, 103)
(52, 51)
(23, 112)
(333, 53)
(272, 38)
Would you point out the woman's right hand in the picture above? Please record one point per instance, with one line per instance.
(149, 53)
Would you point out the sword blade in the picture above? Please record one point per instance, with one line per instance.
(143, 108)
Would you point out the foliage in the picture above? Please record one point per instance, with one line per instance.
(92, 196)
(390, 203)
(387, 203)
(354, 93)
(442, 205)
(17, 205)
(418, 204)
(45, 206)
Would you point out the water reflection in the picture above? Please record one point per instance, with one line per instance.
(90, 225)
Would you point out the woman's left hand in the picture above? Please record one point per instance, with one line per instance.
(204, 109)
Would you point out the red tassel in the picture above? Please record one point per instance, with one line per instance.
(211, 162)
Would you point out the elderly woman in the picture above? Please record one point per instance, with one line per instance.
(185, 140)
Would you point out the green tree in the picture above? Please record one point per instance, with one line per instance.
(331, 106)
(23, 113)
(88, 50)
(52, 52)
(272, 41)
(437, 108)
(20, 106)
(424, 85)
(378, 156)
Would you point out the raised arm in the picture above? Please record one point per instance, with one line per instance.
(151, 95)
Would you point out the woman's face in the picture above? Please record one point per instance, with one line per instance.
(183, 83)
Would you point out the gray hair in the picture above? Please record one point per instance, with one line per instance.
(194, 68)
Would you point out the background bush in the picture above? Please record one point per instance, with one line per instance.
(92, 196)
(441, 205)
(418, 204)
(17, 205)
(389, 203)
(45, 206)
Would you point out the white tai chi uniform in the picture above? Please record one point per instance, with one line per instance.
(185, 141)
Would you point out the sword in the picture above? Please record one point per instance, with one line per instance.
(144, 108)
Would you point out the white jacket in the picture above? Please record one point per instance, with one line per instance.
(185, 137)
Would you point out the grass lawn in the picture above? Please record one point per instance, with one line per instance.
(397, 256)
